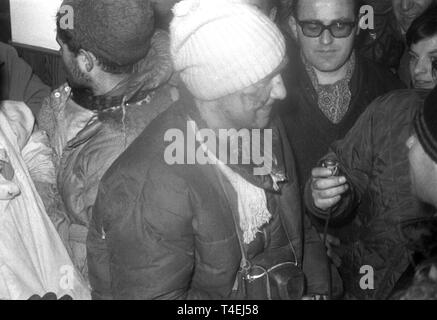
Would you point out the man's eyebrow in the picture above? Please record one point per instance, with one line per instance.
(433, 52)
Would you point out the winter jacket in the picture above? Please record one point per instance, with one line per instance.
(86, 142)
(17, 81)
(163, 231)
(371, 216)
(309, 131)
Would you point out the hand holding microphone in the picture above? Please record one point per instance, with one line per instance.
(327, 187)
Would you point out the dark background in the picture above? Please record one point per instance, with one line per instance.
(5, 25)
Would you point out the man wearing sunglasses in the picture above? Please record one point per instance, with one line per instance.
(329, 85)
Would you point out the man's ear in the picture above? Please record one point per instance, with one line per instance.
(86, 61)
(292, 23)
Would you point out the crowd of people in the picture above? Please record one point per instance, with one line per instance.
(124, 182)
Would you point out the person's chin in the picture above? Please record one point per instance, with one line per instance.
(327, 63)
(328, 66)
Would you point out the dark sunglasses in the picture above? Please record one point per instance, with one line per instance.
(338, 29)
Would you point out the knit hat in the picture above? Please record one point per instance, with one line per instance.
(425, 125)
(117, 31)
(223, 46)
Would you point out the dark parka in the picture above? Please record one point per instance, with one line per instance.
(374, 158)
(164, 231)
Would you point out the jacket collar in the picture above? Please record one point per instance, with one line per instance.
(149, 74)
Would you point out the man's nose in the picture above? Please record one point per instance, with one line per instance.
(326, 37)
(278, 88)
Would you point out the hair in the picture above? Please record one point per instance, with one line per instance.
(68, 38)
(423, 27)
(295, 7)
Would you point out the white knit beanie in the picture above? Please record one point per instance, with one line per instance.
(223, 46)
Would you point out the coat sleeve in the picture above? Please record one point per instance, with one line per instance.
(355, 155)
(315, 265)
(149, 251)
(97, 158)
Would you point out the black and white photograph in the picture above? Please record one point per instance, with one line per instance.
(229, 152)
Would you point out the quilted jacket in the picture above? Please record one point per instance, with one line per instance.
(371, 217)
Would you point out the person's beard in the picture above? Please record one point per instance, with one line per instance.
(76, 78)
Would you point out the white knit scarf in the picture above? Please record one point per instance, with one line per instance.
(252, 200)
